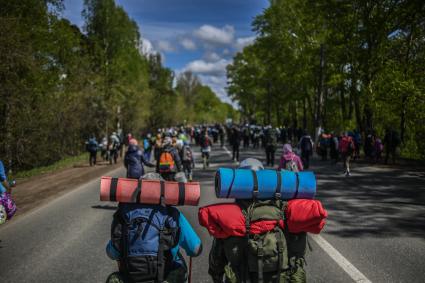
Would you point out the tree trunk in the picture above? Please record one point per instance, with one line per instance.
(294, 115)
(342, 102)
(305, 113)
(269, 104)
(319, 99)
(404, 95)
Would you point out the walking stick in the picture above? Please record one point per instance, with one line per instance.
(190, 270)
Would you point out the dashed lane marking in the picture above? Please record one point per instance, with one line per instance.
(227, 151)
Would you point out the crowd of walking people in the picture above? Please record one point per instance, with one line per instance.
(344, 147)
(151, 253)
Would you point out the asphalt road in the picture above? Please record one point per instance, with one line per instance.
(376, 222)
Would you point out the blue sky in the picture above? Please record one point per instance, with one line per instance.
(197, 35)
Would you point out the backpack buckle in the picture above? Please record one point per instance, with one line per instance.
(260, 252)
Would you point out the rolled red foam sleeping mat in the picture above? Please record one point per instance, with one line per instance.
(149, 191)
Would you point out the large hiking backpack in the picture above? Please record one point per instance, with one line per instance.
(264, 257)
(266, 253)
(166, 162)
(258, 257)
(145, 235)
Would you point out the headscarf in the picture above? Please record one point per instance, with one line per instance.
(287, 148)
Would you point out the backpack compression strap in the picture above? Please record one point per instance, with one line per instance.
(280, 250)
(124, 243)
(113, 192)
(162, 242)
(231, 184)
(162, 199)
(138, 192)
(297, 184)
(260, 254)
(161, 261)
(255, 180)
(181, 193)
(278, 193)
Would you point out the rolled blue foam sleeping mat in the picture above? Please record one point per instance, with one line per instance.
(264, 184)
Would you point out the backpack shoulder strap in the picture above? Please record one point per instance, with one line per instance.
(174, 214)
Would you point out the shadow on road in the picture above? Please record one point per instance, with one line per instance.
(383, 201)
(106, 206)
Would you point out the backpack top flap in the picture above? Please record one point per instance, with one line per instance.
(143, 225)
(263, 209)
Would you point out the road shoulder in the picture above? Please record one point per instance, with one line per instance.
(36, 191)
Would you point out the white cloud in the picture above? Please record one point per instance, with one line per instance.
(217, 84)
(244, 41)
(211, 57)
(215, 36)
(146, 47)
(165, 46)
(188, 44)
(210, 68)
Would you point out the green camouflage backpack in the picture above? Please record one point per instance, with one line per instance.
(265, 257)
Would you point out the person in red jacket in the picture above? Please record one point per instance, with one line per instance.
(346, 149)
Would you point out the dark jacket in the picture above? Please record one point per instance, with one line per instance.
(235, 138)
(134, 161)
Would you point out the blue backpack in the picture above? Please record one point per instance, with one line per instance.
(145, 236)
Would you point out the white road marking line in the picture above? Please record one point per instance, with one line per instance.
(230, 154)
(349, 268)
(227, 151)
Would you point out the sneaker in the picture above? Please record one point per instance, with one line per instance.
(347, 174)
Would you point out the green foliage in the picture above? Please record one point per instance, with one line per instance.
(336, 65)
(59, 85)
(200, 103)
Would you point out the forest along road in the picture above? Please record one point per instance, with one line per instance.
(375, 231)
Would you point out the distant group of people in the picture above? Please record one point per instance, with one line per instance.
(109, 149)
(169, 152)
(344, 147)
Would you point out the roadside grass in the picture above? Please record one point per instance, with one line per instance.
(61, 164)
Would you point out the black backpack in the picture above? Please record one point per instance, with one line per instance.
(306, 144)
